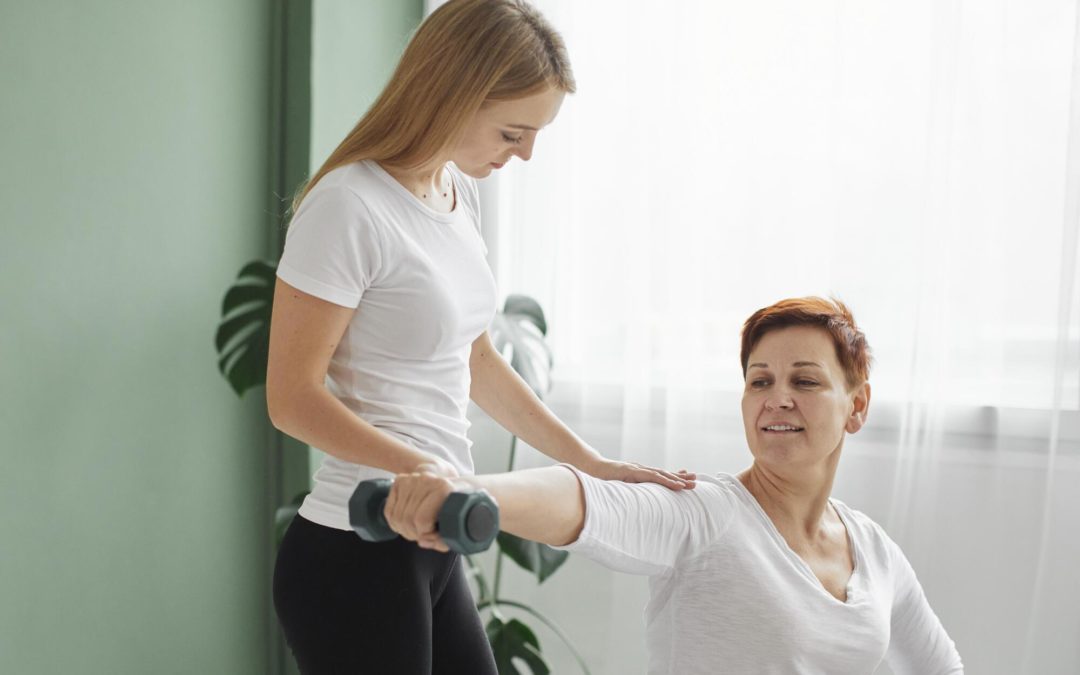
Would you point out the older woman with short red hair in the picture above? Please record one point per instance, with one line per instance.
(756, 572)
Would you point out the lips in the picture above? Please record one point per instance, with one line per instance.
(782, 428)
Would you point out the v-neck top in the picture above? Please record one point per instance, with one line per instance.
(796, 559)
(728, 595)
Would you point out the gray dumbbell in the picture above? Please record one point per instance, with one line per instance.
(468, 521)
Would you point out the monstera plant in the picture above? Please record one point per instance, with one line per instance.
(518, 334)
(243, 345)
(243, 336)
(518, 331)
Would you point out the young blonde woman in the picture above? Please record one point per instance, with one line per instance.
(378, 338)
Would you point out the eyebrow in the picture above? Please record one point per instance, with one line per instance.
(522, 126)
(797, 364)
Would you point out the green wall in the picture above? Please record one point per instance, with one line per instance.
(133, 183)
(137, 154)
(355, 46)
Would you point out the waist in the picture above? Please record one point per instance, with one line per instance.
(336, 479)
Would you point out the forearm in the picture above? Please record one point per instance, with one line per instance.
(545, 505)
(508, 400)
(314, 416)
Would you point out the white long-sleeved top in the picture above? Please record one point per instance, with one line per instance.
(728, 595)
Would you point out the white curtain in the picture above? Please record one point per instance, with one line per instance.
(918, 160)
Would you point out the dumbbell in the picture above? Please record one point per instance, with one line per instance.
(468, 521)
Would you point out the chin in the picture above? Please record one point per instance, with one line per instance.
(780, 452)
(482, 172)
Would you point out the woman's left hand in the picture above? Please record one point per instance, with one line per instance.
(632, 472)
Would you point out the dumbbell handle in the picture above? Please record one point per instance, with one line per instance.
(468, 521)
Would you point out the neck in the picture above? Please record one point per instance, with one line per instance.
(427, 177)
(793, 496)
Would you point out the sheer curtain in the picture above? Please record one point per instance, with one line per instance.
(920, 161)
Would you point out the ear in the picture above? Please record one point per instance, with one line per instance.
(860, 405)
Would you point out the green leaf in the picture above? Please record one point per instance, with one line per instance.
(540, 559)
(514, 640)
(242, 294)
(518, 339)
(493, 605)
(266, 270)
(524, 305)
(242, 339)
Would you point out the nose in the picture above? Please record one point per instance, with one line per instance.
(779, 400)
(525, 150)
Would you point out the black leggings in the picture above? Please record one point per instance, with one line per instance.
(348, 606)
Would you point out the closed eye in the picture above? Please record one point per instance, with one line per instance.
(806, 383)
(511, 139)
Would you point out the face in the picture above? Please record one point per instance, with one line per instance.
(501, 130)
(797, 403)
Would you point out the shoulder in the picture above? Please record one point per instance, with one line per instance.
(335, 192)
(871, 537)
(722, 486)
(337, 214)
(349, 199)
(863, 525)
(352, 186)
(710, 493)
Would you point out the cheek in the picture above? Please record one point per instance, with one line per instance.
(748, 407)
(752, 406)
(476, 148)
(487, 153)
(830, 419)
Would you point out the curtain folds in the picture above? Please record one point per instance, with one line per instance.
(920, 161)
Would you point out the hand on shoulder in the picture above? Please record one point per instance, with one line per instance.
(633, 472)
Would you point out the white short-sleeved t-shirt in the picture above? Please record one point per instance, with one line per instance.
(728, 595)
(422, 291)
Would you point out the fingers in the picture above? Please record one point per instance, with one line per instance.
(632, 472)
(433, 542)
(413, 506)
(428, 507)
(673, 481)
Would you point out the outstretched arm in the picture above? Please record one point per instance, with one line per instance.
(545, 505)
(639, 529)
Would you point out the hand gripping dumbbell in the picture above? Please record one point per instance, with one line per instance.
(468, 521)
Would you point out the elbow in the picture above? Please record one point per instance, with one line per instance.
(274, 411)
(278, 406)
(544, 505)
(569, 534)
(573, 519)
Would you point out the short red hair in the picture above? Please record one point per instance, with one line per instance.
(832, 316)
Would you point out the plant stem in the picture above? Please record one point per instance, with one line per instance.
(498, 575)
(513, 451)
(547, 622)
(477, 574)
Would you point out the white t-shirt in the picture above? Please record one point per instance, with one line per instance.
(423, 293)
(728, 595)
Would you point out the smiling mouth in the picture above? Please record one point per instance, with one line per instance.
(781, 429)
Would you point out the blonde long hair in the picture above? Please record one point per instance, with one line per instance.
(466, 53)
